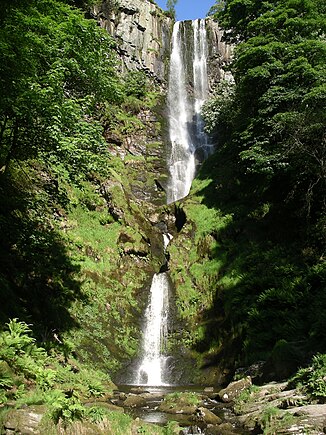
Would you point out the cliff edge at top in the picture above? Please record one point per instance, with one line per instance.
(143, 33)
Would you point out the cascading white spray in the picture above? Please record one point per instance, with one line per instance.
(186, 127)
(181, 162)
(200, 82)
(151, 368)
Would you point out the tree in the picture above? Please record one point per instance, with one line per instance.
(170, 6)
(278, 102)
(270, 171)
(57, 67)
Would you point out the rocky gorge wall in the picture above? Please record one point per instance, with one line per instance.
(143, 34)
(142, 31)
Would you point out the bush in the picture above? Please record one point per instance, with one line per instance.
(136, 84)
(312, 379)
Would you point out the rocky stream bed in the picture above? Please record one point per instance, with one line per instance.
(240, 408)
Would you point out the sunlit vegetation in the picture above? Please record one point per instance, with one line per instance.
(76, 249)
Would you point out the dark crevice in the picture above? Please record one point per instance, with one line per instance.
(180, 217)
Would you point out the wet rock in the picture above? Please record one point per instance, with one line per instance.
(233, 390)
(177, 409)
(138, 390)
(206, 416)
(134, 401)
(123, 396)
(209, 390)
(191, 430)
(25, 421)
(221, 429)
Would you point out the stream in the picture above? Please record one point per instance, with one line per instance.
(191, 424)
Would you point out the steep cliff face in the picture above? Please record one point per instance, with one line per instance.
(142, 31)
(219, 54)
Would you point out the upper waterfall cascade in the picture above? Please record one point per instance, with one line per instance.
(186, 127)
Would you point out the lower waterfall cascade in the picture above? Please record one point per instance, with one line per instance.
(151, 369)
(186, 135)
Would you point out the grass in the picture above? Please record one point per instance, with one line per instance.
(174, 400)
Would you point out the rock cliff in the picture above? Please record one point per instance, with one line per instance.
(219, 54)
(143, 33)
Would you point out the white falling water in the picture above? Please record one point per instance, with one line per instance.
(186, 136)
(182, 160)
(151, 368)
(185, 123)
(200, 82)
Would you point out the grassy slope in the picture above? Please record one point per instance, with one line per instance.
(249, 285)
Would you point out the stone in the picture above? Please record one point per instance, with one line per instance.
(233, 390)
(206, 416)
(209, 390)
(138, 390)
(25, 420)
(221, 429)
(134, 401)
(177, 408)
(143, 33)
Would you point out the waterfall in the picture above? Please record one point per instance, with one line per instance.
(151, 369)
(200, 83)
(186, 127)
(187, 137)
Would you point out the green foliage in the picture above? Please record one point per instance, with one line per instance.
(60, 387)
(96, 414)
(170, 5)
(273, 421)
(20, 352)
(176, 399)
(119, 422)
(49, 107)
(267, 173)
(312, 378)
(135, 84)
(171, 428)
(246, 396)
(65, 408)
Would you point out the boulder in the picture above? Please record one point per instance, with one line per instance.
(134, 401)
(204, 415)
(24, 420)
(177, 408)
(232, 391)
(221, 429)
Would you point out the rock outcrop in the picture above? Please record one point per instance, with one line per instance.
(219, 55)
(143, 33)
